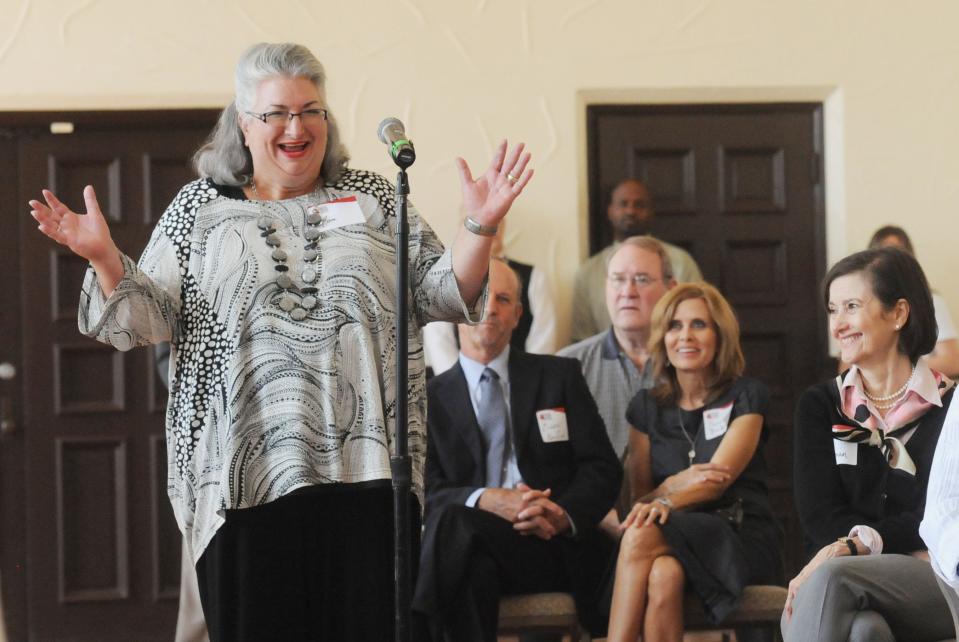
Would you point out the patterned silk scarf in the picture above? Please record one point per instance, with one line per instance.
(864, 427)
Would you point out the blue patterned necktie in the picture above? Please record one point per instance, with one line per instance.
(492, 415)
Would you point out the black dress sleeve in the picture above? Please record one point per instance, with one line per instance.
(752, 397)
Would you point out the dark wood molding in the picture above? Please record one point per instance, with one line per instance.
(34, 318)
(103, 120)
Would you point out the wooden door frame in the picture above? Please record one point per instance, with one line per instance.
(829, 214)
(833, 123)
(692, 129)
(14, 213)
(12, 447)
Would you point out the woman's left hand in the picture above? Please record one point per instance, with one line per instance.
(487, 198)
(827, 552)
(644, 514)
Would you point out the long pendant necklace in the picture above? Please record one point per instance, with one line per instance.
(691, 440)
(295, 300)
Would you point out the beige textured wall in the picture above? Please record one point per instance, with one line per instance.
(461, 74)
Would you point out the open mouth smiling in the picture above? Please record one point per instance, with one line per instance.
(293, 148)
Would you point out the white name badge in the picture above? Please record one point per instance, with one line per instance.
(716, 420)
(552, 425)
(846, 452)
(338, 213)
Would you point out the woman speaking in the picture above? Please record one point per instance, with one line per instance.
(272, 276)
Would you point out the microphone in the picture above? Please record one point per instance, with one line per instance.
(392, 133)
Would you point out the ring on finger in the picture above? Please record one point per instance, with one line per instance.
(511, 178)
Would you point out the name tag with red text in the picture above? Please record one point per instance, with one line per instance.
(552, 425)
(338, 213)
(716, 420)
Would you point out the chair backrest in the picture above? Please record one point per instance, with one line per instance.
(542, 613)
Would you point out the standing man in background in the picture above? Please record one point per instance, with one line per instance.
(630, 212)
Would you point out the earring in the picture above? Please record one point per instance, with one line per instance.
(897, 326)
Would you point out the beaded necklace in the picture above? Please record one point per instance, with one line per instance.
(888, 401)
(296, 300)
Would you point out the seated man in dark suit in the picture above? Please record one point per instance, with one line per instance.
(519, 472)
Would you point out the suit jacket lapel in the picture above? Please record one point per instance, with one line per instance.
(456, 398)
(524, 380)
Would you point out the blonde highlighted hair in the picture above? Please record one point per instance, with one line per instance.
(728, 363)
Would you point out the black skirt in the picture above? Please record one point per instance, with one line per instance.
(316, 564)
(718, 561)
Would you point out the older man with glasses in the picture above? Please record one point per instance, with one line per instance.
(638, 274)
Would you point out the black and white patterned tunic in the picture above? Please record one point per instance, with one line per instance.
(261, 404)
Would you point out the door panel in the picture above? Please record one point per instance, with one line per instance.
(738, 186)
(101, 554)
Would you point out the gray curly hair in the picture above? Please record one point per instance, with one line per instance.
(224, 157)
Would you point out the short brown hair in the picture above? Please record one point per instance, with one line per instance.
(728, 364)
(895, 274)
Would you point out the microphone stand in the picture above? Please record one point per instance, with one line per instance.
(400, 463)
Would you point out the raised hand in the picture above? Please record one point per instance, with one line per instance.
(487, 198)
(87, 235)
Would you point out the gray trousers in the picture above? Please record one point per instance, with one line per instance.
(870, 598)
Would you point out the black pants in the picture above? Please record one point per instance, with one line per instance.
(314, 565)
(472, 557)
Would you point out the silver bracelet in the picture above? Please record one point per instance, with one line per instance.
(665, 501)
(478, 228)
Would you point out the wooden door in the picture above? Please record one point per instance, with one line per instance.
(100, 553)
(740, 187)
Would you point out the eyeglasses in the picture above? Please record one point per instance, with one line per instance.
(281, 117)
(641, 281)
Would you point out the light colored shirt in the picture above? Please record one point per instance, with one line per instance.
(590, 314)
(947, 329)
(613, 380)
(940, 522)
(261, 403)
(473, 370)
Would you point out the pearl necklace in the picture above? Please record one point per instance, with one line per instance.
(894, 397)
(295, 300)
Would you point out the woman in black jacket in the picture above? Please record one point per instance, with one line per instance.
(864, 443)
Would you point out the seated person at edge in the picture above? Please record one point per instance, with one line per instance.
(537, 329)
(703, 521)
(940, 522)
(519, 472)
(944, 357)
(864, 444)
(273, 278)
